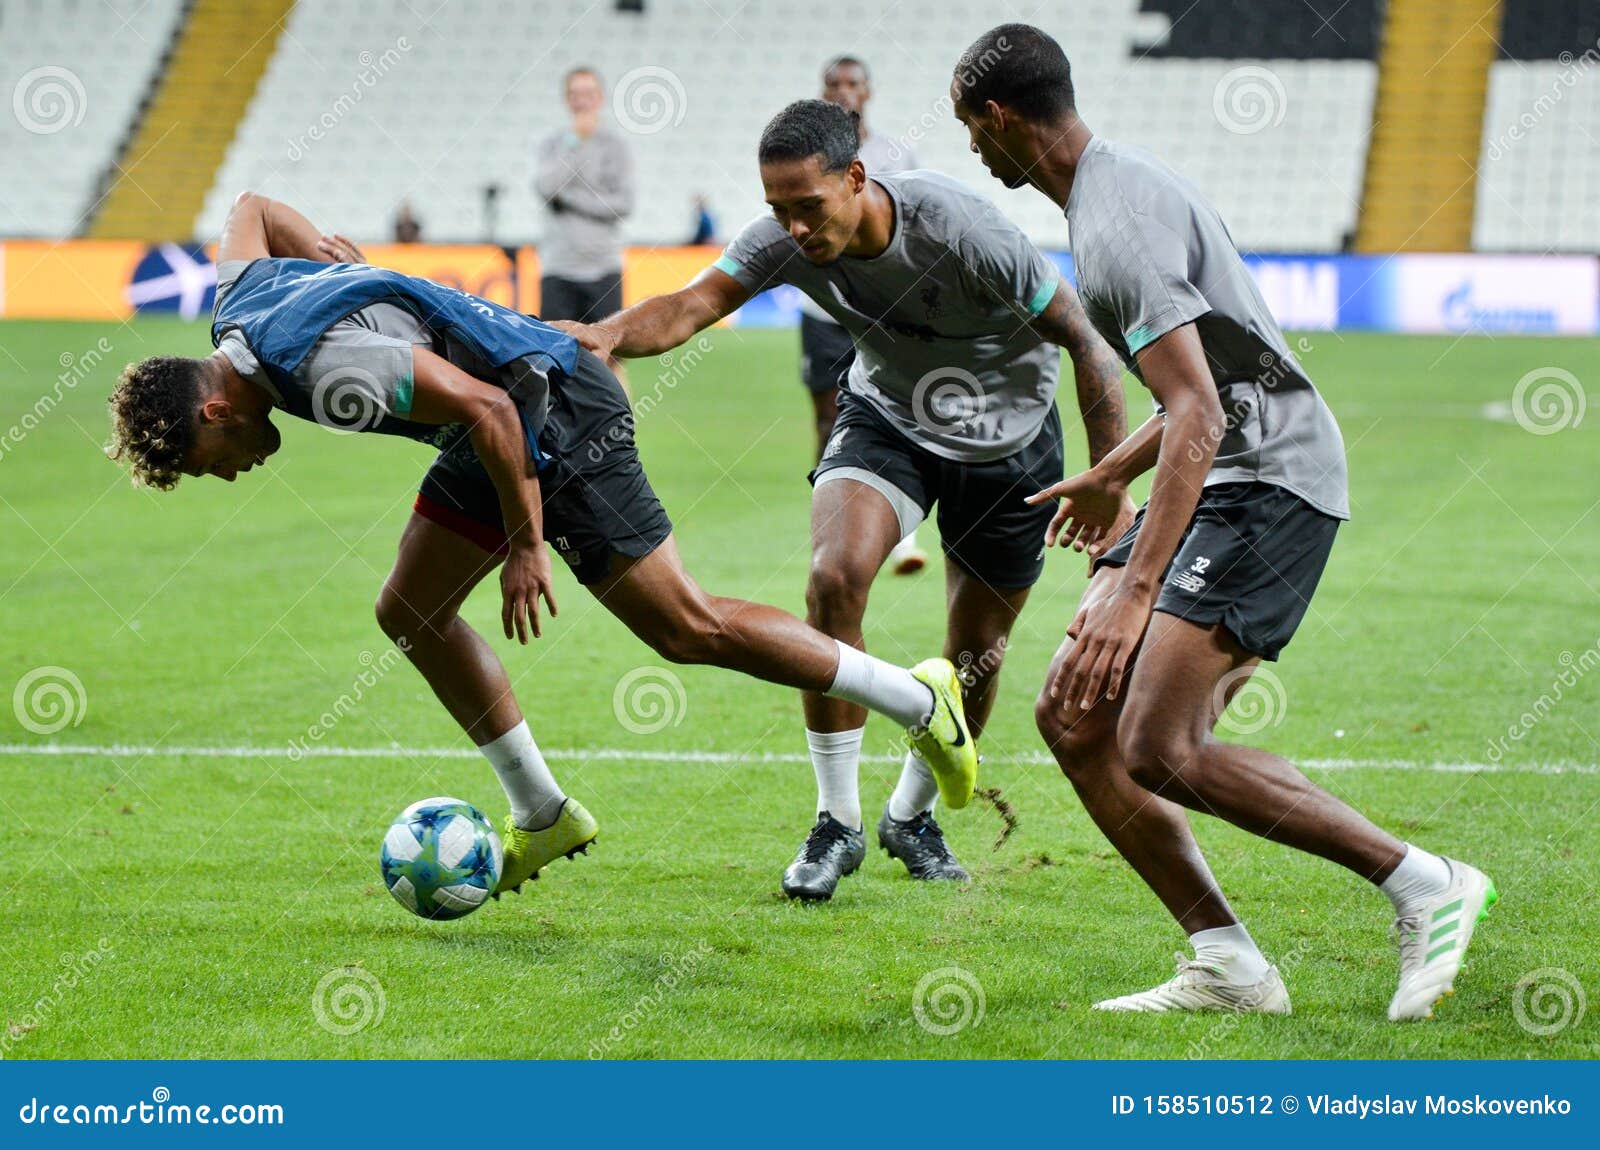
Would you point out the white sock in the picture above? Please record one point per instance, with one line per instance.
(1231, 950)
(915, 792)
(535, 796)
(881, 687)
(1419, 877)
(836, 757)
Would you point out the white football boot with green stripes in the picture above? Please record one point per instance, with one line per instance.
(1434, 940)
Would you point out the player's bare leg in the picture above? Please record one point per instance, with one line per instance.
(1150, 832)
(663, 605)
(1165, 737)
(419, 608)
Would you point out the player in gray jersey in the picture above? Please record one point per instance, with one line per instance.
(1218, 569)
(826, 349)
(950, 400)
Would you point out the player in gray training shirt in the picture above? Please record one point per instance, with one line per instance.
(1219, 567)
(826, 349)
(956, 319)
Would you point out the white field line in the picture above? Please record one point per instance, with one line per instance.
(724, 758)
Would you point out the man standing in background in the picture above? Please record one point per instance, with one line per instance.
(584, 174)
(826, 350)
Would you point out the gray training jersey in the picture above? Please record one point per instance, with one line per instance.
(945, 349)
(1152, 255)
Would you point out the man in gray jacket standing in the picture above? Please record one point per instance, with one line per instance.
(584, 174)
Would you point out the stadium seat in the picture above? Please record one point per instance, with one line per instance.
(78, 70)
(461, 103)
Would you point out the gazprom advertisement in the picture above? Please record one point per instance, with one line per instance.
(1430, 294)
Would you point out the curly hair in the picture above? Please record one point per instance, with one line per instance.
(152, 418)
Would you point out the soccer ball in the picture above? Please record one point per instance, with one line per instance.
(441, 858)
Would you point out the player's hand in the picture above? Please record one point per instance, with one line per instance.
(1107, 633)
(1095, 512)
(524, 580)
(594, 337)
(340, 250)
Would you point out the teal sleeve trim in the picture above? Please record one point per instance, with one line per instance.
(404, 392)
(1140, 338)
(1041, 298)
(728, 265)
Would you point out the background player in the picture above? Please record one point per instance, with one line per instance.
(826, 349)
(950, 401)
(1249, 491)
(584, 175)
(515, 408)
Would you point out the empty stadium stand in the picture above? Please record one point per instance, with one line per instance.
(464, 91)
(1539, 171)
(73, 74)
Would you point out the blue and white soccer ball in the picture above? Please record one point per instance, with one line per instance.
(441, 858)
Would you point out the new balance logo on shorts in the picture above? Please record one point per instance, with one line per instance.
(1190, 580)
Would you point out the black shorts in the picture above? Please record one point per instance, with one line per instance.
(985, 526)
(597, 500)
(826, 353)
(586, 301)
(1250, 560)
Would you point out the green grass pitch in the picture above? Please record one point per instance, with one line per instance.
(161, 902)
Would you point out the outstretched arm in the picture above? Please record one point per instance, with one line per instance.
(446, 394)
(662, 322)
(258, 227)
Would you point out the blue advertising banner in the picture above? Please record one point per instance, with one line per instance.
(1415, 293)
